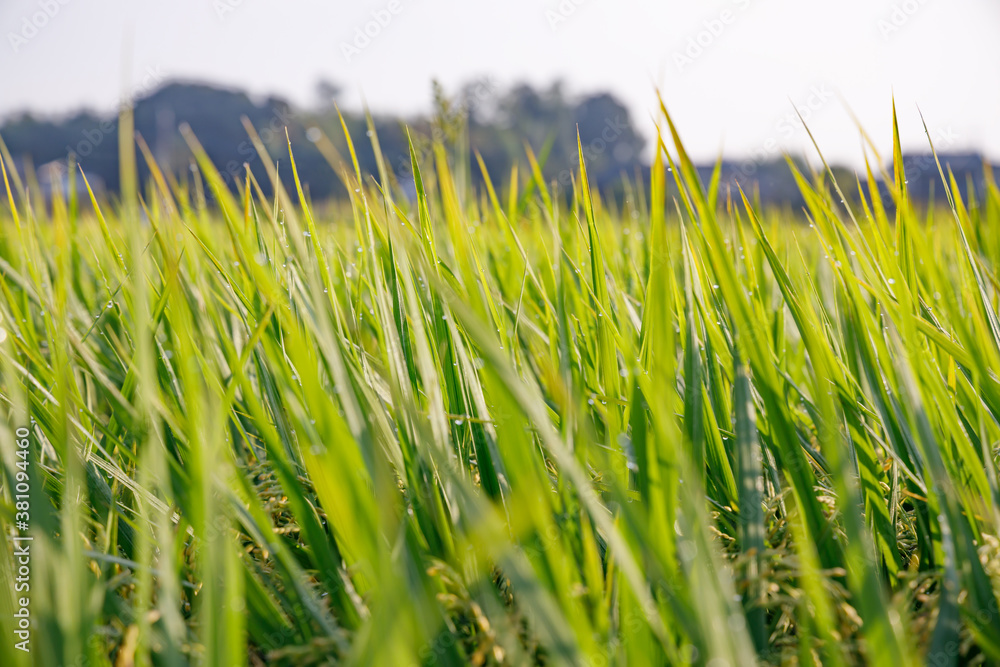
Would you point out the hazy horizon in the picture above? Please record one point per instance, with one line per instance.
(723, 66)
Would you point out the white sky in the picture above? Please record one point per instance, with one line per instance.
(940, 55)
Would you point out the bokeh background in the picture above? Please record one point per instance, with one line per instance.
(731, 71)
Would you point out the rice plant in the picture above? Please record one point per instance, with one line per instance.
(511, 425)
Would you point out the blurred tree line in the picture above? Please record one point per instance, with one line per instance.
(480, 118)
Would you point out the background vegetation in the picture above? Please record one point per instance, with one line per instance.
(482, 118)
(525, 425)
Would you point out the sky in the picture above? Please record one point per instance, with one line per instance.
(732, 72)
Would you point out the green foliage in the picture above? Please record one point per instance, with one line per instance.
(449, 427)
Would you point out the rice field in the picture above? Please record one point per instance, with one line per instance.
(508, 425)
